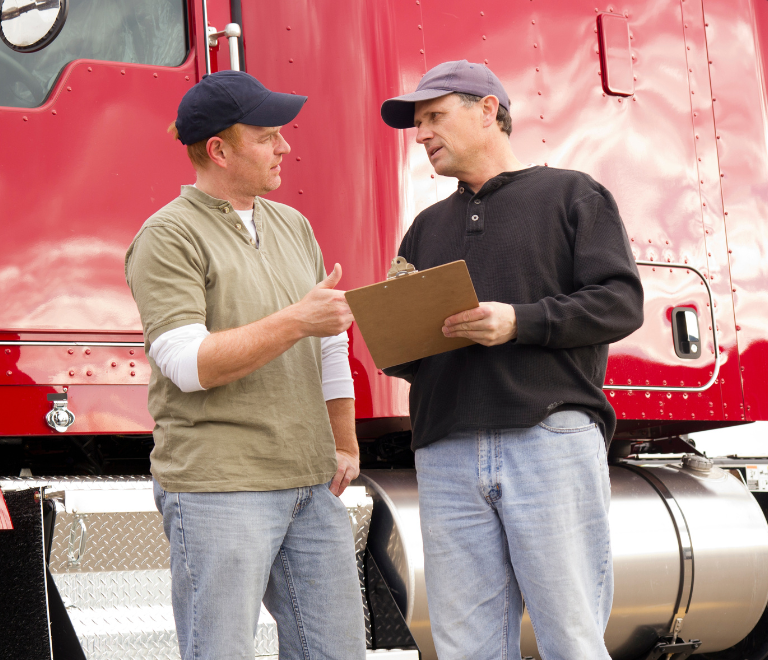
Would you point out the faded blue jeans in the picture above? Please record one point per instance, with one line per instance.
(292, 548)
(517, 514)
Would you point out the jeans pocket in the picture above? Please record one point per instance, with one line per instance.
(158, 494)
(568, 421)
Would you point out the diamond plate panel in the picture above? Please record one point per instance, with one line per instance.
(360, 519)
(114, 542)
(107, 589)
(119, 594)
(139, 633)
(266, 638)
(54, 484)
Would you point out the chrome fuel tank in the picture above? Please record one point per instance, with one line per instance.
(687, 544)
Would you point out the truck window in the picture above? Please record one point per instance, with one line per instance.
(132, 31)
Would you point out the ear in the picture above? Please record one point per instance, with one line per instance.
(215, 149)
(490, 108)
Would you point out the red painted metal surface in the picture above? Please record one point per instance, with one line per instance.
(99, 409)
(738, 79)
(83, 180)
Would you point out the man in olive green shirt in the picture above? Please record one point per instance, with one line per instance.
(250, 455)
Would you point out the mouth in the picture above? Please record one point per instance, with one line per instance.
(432, 151)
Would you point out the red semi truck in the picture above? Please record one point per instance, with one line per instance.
(665, 103)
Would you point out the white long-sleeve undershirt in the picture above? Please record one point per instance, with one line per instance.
(175, 351)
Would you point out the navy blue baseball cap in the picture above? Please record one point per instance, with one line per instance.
(446, 78)
(225, 98)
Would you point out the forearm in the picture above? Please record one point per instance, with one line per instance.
(342, 415)
(596, 314)
(226, 356)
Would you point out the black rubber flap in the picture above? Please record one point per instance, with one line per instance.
(23, 606)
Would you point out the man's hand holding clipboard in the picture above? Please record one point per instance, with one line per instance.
(403, 318)
(490, 324)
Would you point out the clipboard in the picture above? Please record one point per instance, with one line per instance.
(401, 319)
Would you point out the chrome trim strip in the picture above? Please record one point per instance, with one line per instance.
(71, 343)
(715, 371)
(205, 38)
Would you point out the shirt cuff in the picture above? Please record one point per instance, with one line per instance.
(337, 375)
(532, 326)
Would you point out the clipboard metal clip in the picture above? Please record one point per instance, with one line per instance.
(399, 268)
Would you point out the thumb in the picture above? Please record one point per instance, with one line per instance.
(333, 279)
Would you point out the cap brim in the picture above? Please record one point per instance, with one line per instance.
(275, 110)
(398, 112)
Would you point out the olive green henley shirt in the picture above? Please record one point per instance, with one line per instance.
(194, 262)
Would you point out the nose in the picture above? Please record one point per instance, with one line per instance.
(423, 134)
(282, 146)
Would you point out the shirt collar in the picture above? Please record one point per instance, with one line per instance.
(495, 183)
(196, 195)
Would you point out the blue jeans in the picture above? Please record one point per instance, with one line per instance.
(517, 514)
(293, 549)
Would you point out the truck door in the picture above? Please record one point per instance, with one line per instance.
(85, 161)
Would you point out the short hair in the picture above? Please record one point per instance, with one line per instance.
(503, 118)
(198, 153)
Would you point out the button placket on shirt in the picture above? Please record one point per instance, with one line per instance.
(259, 223)
(475, 215)
(239, 225)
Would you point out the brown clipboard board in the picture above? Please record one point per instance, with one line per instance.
(401, 319)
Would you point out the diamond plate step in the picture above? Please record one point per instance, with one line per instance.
(118, 594)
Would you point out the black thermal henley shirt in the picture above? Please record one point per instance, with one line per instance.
(551, 243)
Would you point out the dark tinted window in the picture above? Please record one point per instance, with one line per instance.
(134, 31)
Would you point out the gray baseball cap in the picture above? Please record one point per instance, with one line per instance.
(446, 78)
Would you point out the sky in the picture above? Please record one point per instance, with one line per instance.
(746, 440)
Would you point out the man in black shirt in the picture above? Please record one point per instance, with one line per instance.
(511, 434)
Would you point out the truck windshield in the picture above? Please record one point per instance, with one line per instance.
(133, 31)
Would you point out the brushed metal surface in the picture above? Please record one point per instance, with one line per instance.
(728, 532)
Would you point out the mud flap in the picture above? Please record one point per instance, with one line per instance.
(34, 623)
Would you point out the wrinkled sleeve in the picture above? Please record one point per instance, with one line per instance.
(607, 303)
(167, 280)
